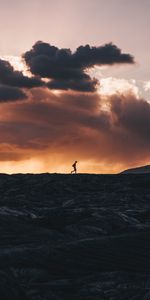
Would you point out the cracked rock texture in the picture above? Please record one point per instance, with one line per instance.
(78, 237)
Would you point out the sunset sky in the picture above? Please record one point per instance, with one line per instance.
(74, 85)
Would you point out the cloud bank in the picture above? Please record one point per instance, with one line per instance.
(73, 124)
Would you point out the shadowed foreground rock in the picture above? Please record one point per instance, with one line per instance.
(79, 237)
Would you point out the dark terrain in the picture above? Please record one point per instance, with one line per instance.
(75, 237)
(139, 170)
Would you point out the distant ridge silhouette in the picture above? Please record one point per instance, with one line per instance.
(138, 170)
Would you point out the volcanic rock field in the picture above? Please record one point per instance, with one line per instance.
(74, 237)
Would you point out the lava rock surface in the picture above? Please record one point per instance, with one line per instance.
(78, 237)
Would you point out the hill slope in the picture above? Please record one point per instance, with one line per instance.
(74, 237)
(139, 170)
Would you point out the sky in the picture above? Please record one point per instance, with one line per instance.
(74, 85)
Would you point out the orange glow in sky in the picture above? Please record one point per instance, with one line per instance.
(98, 114)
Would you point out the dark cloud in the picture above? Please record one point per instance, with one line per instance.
(9, 76)
(88, 84)
(68, 70)
(132, 114)
(8, 94)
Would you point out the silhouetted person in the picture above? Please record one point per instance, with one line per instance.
(74, 168)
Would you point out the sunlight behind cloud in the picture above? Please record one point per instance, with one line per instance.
(146, 86)
(110, 86)
(17, 63)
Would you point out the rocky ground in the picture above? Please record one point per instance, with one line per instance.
(78, 237)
